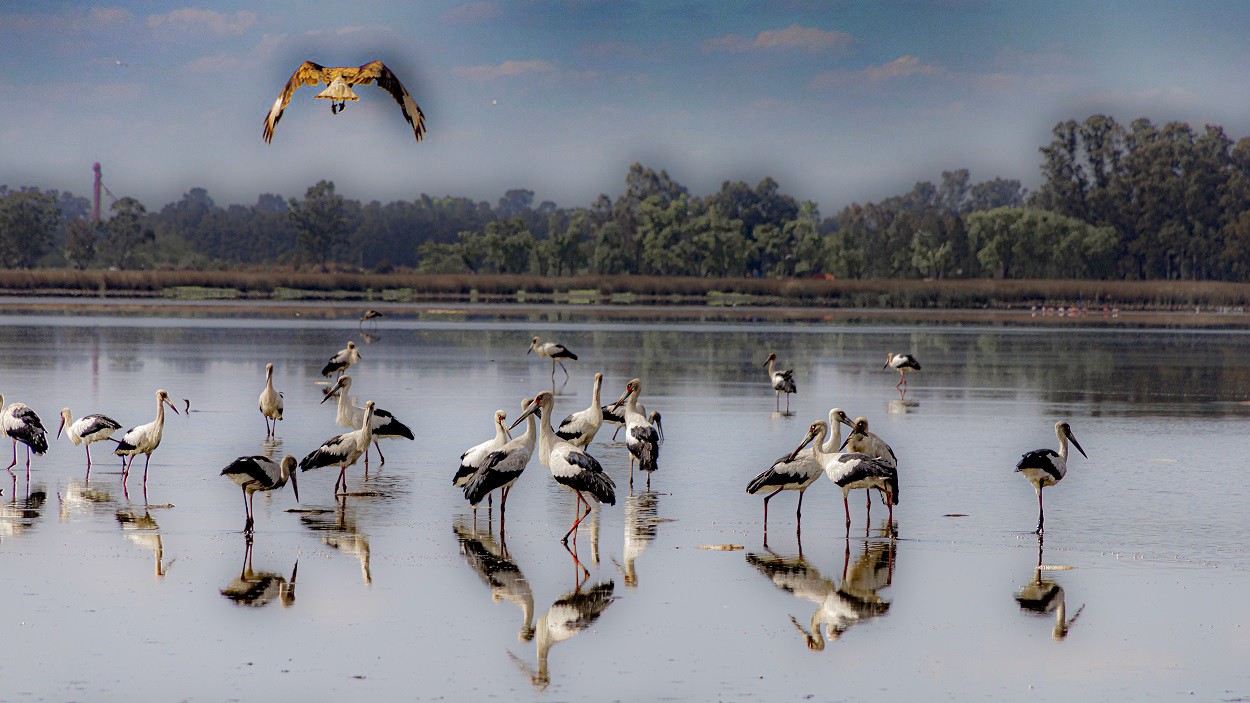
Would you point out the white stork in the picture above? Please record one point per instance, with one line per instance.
(1046, 467)
(580, 427)
(783, 382)
(862, 441)
(474, 458)
(342, 451)
(270, 404)
(502, 467)
(796, 472)
(570, 466)
(21, 424)
(570, 614)
(260, 473)
(341, 360)
(500, 574)
(87, 431)
(901, 363)
(385, 426)
(556, 352)
(144, 440)
(850, 471)
(641, 437)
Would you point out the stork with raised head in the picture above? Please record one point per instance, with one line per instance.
(385, 426)
(570, 467)
(270, 404)
(783, 382)
(21, 424)
(1046, 467)
(863, 441)
(87, 431)
(556, 352)
(144, 440)
(502, 467)
(851, 471)
(641, 437)
(260, 473)
(342, 359)
(342, 450)
(340, 80)
(474, 458)
(796, 472)
(580, 428)
(901, 363)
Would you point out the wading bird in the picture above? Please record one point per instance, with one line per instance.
(474, 458)
(1046, 467)
(556, 352)
(270, 404)
(260, 473)
(641, 437)
(580, 428)
(144, 440)
(783, 382)
(341, 360)
(369, 315)
(850, 471)
(901, 363)
(342, 451)
(862, 441)
(385, 426)
(340, 80)
(87, 431)
(21, 424)
(570, 466)
(796, 472)
(502, 467)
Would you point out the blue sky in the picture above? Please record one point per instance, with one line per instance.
(839, 101)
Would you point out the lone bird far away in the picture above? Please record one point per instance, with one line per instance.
(342, 359)
(783, 381)
(340, 80)
(901, 363)
(1046, 467)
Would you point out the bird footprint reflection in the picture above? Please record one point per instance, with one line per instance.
(260, 588)
(1044, 596)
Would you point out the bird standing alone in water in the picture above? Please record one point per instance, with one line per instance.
(1046, 467)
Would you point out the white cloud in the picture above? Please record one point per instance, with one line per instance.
(810, 39)
(905, 66)
(195, 19)
(507, 69)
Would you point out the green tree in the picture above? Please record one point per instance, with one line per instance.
(28, 219)
(80, 243)
(126, 233)
(320, 222)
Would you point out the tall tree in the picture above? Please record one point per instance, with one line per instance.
(28, 219)
(126, 233)
(320, 222)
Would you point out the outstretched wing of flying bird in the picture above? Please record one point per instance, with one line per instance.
(308, 73)
(386, 80)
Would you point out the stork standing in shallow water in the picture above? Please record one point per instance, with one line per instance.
(260, 473)
(862, 441)
(850, 471)
(474, 458)
(21, 424)
(556, 352)
(144, 440)
(783, 382)
(385, 426)
(1046, 467)
(901, 363)
(641, 437)
(581, 427)
(502, 467)
(570, 466)
(87, 431)
(341, 360)
(270, 404)
(796, 472)
(342, 451)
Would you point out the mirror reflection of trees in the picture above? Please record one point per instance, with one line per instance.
(1044, 596)
(259, 588)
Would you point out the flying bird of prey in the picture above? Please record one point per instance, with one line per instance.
(340, 80)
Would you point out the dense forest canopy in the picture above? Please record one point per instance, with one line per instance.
(1141, 201)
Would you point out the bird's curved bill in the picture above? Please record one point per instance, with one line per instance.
(527, 351)
(295, 489)
(58, 430)
(170, 403)
(806, 441)
(846, 441)
(619, 401)
(533, 408)
(1077, 444)
(659, 427)
(330, 393)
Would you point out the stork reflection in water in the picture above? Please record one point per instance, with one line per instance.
(143, 531)
(19, 515)
(1044, 596)
(499, 572)
(341, 532)
(642, 524)
(570, 615)
(841, 605)
(259, 588)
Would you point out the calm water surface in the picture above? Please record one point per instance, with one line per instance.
(399, 594)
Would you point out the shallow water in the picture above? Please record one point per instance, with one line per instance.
(398, 596)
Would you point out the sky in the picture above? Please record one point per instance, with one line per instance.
(840, 102)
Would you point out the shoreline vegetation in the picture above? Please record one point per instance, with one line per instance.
(1042, 297)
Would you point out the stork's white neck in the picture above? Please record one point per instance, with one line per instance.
(835, 435)
(1063, 445)
(818, 444)
(546, 436)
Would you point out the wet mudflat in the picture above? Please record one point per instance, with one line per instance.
(397, 592)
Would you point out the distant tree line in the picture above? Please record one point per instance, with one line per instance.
(1136, 202)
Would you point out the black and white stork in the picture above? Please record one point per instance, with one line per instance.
(851, 471)
(1046, 467)
(21, 424)
(641, 437)
(796, 472)
(554, 351)
(863, 441)
(270, 404)
(901, 363)
(474, 458)
(582, 426)
(342, 450)
(782, 381)
(144, 440)
(341, 360)
(254, 474)
(502, 467)
(87, 431)
(385, 426)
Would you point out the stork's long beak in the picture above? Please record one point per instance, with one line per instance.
(527, 351)
(659, 427)
(807, 441)
(58, 430)
(846, 441)
(330, 393)
(886, 365)
(295, 489)
(620, 400)
(170, 403)
(1077, 444)
(533, 408)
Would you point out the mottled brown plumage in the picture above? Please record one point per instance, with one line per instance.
(340, 79)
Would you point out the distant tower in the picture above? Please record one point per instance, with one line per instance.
(95, 207)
